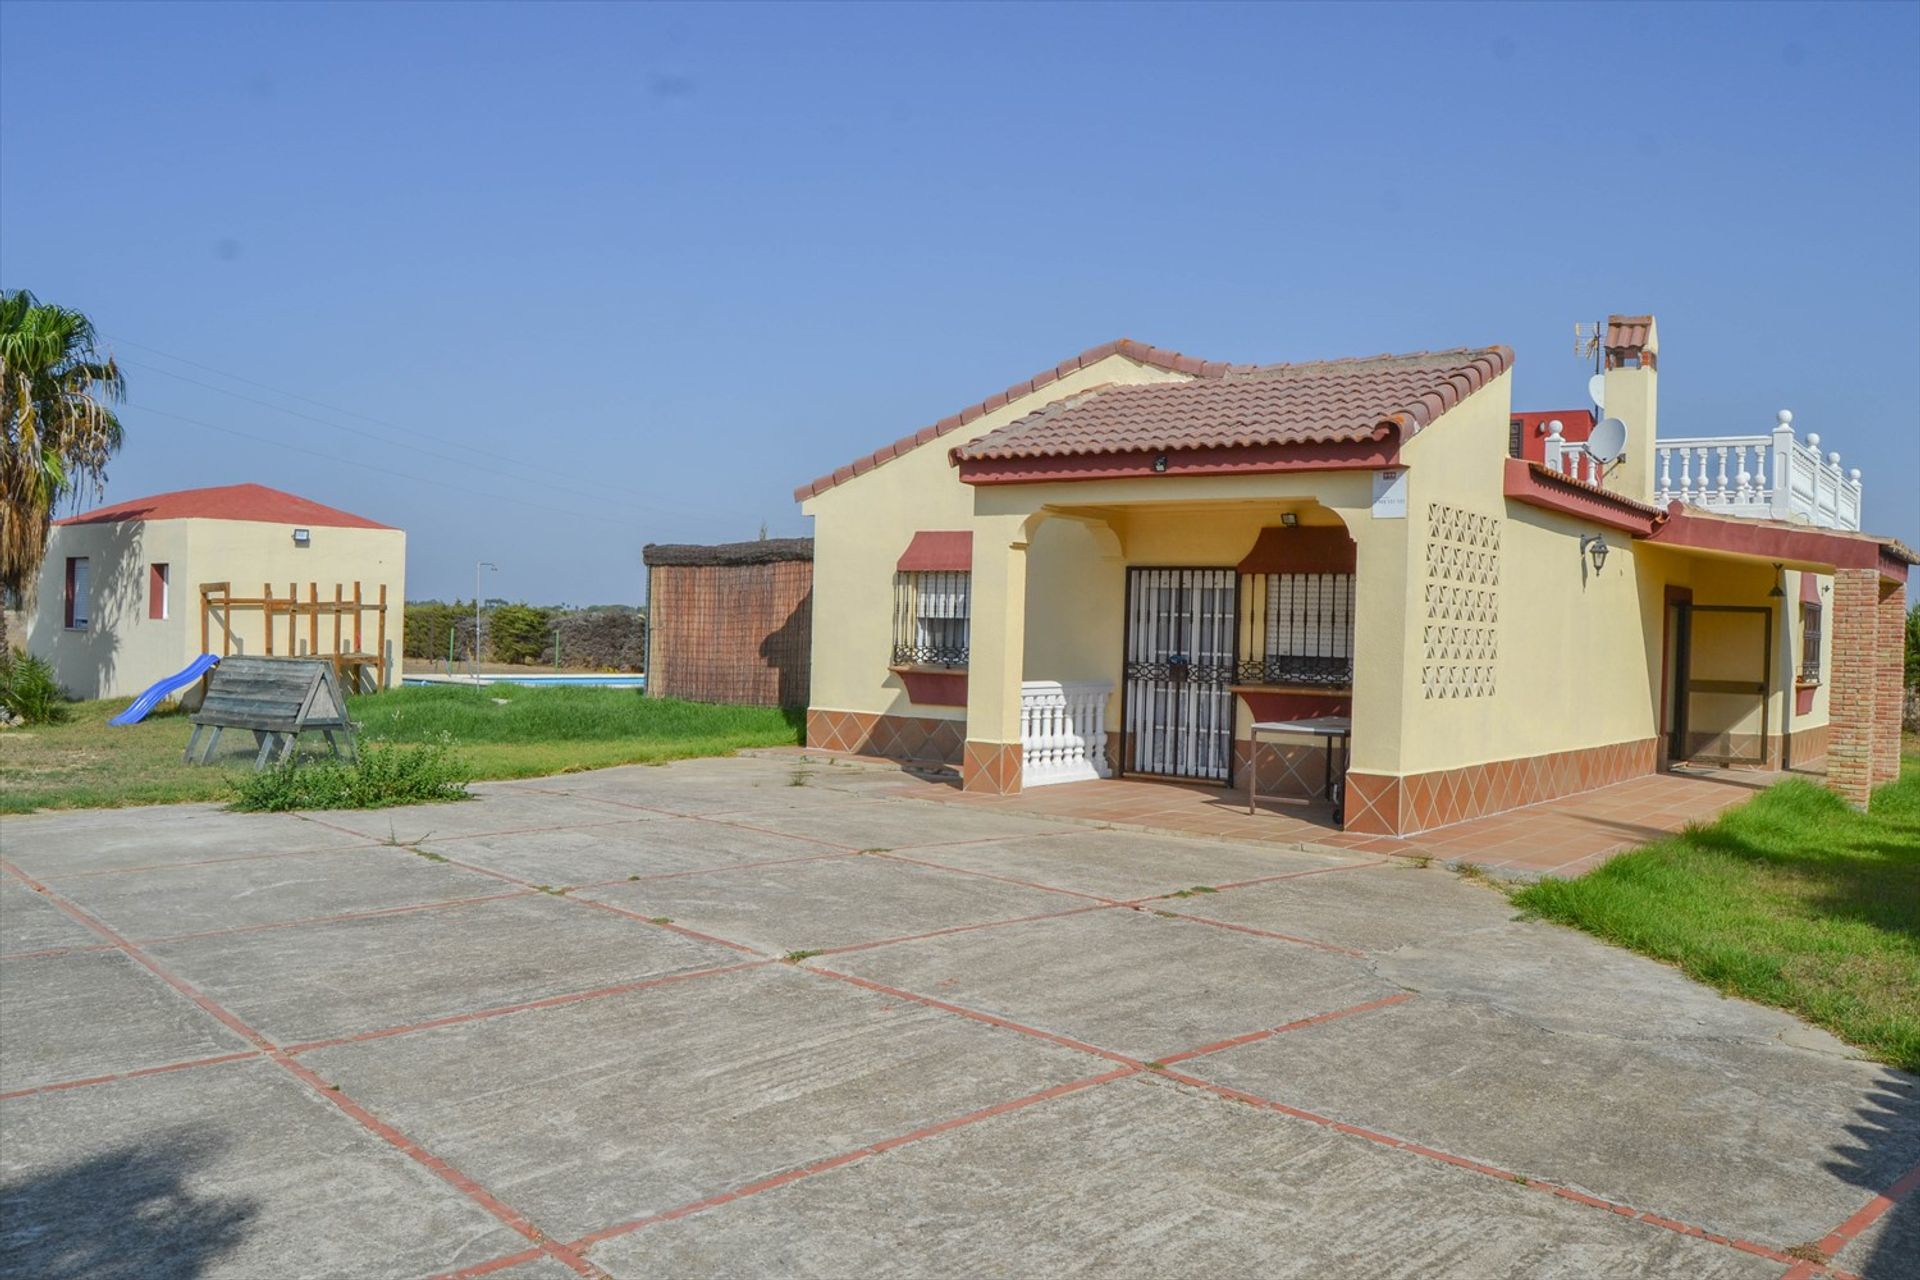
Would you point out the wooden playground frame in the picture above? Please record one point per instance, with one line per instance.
(218, 604)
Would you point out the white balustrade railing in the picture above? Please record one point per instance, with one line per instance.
(1769, 477)
(1063, 731)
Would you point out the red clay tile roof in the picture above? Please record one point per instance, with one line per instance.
(1318, 402)
(1627, 332)
(1138, 352)
(227, 502)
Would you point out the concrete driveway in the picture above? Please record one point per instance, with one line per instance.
(750, 1017)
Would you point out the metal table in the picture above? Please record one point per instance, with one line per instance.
(1337, 730)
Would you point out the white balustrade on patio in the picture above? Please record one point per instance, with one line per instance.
(1769, 477)
(1063, 731)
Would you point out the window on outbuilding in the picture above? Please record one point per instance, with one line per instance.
(77, 604)
(1297, 601)
(158, 576)
(1810, 637)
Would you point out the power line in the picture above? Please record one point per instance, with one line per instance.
(365, 466)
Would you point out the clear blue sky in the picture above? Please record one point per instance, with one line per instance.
(663, 264)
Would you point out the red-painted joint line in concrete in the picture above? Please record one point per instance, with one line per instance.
(145, 961)
(446, 1172)
(1254, 1037)
(522, 1006)
(589, 902)
(1474, 1166)
(892, 855)
(850, 1157)
(61, 1086)
(367, 845)
(474, 1191)
(669, 926)
(1074, 830)
(542, 829)
(1268, 933)
(960, 928)
(1284, 875)
(712, 871)
(488, 1268)
(990, 1019)
(1871, 1212)
(303, 921)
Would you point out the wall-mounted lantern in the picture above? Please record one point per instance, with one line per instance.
(1160, 462)
(302, 538)
(1594, 546)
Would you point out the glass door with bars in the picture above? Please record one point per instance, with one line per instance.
(1180, 661)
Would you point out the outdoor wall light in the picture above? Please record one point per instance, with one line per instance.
(302, 538)
(1595, 545)
(1289, 518)
(1159, 462)
(1775, 593)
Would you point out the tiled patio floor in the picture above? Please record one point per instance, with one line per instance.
(1563, 837)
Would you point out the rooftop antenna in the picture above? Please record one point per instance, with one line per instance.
(1586, 342)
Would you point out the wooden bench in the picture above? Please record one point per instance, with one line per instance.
(278, 699)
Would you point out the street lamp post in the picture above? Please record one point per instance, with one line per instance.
(478, 566)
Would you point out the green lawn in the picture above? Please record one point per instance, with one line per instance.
(504, 731)
(1792, 899)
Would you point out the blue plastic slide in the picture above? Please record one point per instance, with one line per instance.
(179, 680)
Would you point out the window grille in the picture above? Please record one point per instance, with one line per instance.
(1305, 633)
(930, 619)
(1810, 637)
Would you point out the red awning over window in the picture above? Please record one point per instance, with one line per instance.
(937, 552)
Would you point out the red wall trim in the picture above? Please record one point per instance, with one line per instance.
(1213, 461)
(1524, 482)
(934, 688)
(1296, 706)
(1682, 528)
(938, 551)
(1301, 549)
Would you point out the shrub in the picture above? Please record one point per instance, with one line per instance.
(518, 632)
(29, 691)
(385, 775)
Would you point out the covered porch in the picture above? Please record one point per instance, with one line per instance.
(1151, 632)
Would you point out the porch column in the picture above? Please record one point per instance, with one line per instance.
(1853, 699)
(996, 655)
(1893, 648)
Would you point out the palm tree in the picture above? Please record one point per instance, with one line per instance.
(56, 431)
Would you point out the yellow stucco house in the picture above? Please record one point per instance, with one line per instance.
(1123, 563)
(133, 592)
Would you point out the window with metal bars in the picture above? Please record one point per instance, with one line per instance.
(1810, 624)
(1303, 629)
(930, 616)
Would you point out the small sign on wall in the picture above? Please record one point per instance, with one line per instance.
(1390, 494)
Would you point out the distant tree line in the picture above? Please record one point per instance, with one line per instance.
(600, 637)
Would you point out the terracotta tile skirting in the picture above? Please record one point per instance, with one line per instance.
(921, 738)
(1381, 804)
(991, 768)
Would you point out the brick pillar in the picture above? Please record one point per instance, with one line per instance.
(1893, 649)
(1854, 694)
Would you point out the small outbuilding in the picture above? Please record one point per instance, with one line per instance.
(731, 622)
(133, 592)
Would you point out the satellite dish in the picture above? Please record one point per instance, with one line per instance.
(1597, 390)
(1608, 440)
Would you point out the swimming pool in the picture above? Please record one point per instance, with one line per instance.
(597, 681)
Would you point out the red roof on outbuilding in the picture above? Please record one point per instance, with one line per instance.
(227, 502)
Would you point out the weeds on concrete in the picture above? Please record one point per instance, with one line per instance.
(385, 774)
(795, 957)
(659, 919)
(1188, 893)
